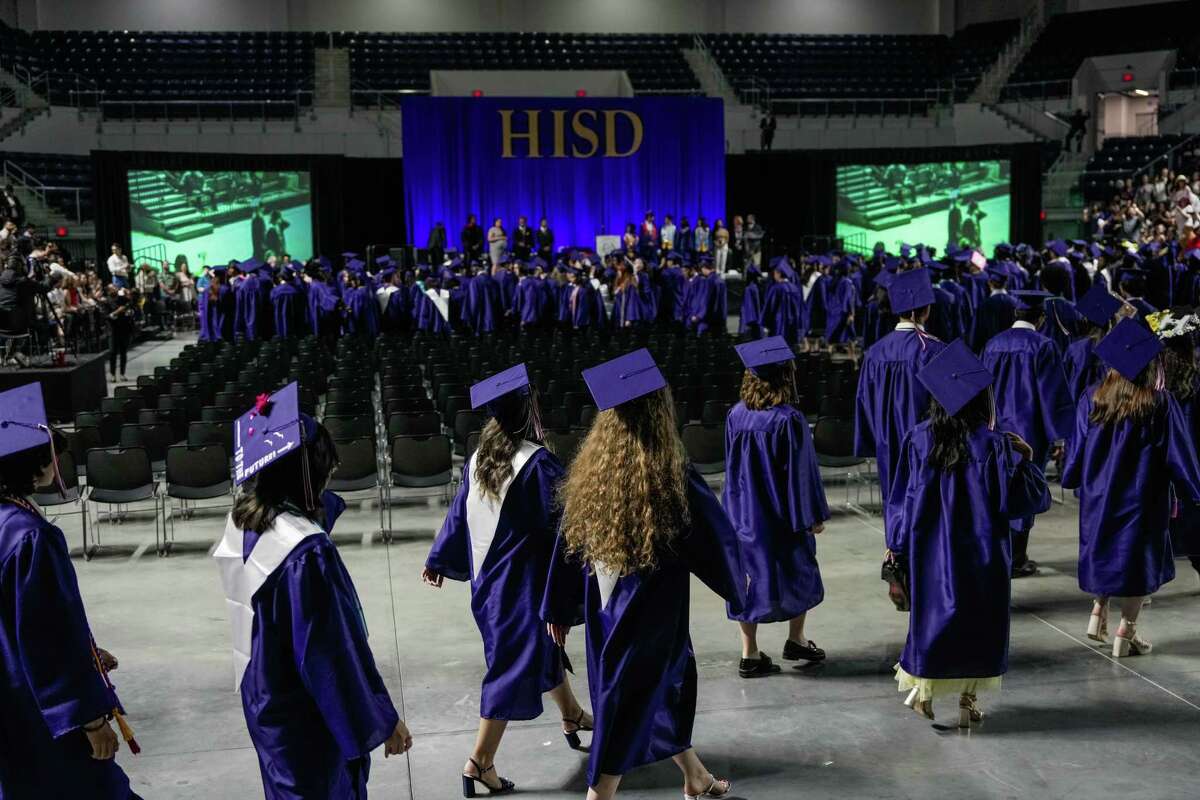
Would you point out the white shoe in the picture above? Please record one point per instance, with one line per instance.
(1128, 643)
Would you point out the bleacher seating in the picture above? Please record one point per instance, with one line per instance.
(1047, 69)
(67, 172)
(973, 51)
(198, 67)
(1119, 158)
(396, 63)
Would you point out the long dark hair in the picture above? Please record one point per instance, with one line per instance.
(1179, 361)
(516, 419)
(1117, 399)
(774, 385)
(19, 471)
(950, 431)
(281, 484)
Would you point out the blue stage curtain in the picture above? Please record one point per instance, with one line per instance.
(454, 165)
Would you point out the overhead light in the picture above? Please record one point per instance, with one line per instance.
(1141, 92)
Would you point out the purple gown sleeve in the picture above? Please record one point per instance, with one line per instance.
(864, 434)
(710, 548)
(332, 657)
(1053, 396)
(896, 536)
(1073, 467)
(804, 503)
(450, 554)
(562, 603)
(333, 506)
(1023, 488)
(52, 634)
(1181, 453)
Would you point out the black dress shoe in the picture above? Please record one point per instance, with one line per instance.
(757, 667)
(1030, 567)
(794, 651)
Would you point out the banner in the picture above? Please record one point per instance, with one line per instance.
(590, 166)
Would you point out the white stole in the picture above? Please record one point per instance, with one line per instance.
(483, 513)
(441, 301)
(241, 580)
(384, 296)
(606, 581)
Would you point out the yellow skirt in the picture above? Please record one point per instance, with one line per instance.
(928, 688)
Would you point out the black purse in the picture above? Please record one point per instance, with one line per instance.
(896, 576)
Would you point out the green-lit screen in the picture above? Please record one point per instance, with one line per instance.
(210, 217)
(965, 202)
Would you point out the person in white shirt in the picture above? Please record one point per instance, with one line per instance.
(667, 233)
(118, 267)
(1187, 206)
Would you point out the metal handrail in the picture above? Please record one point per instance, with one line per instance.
(1169, 155)
(1043, 95)
(27, 180)
(295, 105)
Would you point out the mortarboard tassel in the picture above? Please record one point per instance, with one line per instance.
(122, 725)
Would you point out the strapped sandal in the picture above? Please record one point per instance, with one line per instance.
(572, 736)
(713, 790)
(469, 781)
(969, 712)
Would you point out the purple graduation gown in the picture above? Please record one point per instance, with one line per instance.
(532, 302)
(588, 307)
(49, 686)
(1082, 366)
(427, 316)
(482, 310)
(702, 300)
(221, 313)
(1125, 474)
(952, 530)
(322, 306)
(641, 668)
(314, 702)
(750, 318)
(774, 497)
(508, 585)
(785, 312)
(287, 305)
(890, 400)
(1063, 324)
(362, 312)
(629, 306)
(841, 298)
(203, 334)
(1031, 392)
(994, 315)
(1185, 522)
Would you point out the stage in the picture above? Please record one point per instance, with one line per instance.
(77, 387)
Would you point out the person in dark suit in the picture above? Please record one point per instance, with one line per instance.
(472, 240)
(11, 207)
(522, 241)
(545, 241)
(954, 223)
(437, 243)
(258, 233)
(767, 126)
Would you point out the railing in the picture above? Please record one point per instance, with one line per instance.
(991, 83)
(713, 68)
(1166, 159)
(860, 106)
(205, 109)
(152, 254)
(1057, 89)
(74, 199)
(15, 174)
(27, 180)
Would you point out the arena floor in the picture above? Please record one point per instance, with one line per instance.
(1069, 722)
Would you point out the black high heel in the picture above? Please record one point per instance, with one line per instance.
(572, 737)
(469, 782)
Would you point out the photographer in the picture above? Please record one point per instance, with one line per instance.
(119, 309)
(18, 292)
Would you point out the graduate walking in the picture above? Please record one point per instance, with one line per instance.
(1177, 329)
(1130, 450)
(54, 689)
(499, 535)
(958, 482)
(314, 702)
(626, 553)
(776, 502)
(1032, 399)
(890, 400)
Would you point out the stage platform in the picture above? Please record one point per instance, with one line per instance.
(79, 386)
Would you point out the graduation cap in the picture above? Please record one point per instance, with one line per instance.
(349, 254)
(220, 269)
(623, 379)
(250, 264)
(384, 260)
(906, 250)
(955, 376)
(386, 273)
(997, 273)
(1030, 298)
(23, 423)
(764, 352)
(891, 263)
(1098, 305)
(910, 290)
(1129, 347)
(324, 262)
(707, 261)
(675, 256)
(885, 279)
(270, 430)
(1058, 247)
(355, 265)
(498, 385)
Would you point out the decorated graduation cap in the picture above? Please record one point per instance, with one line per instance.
(1129, 347)
(955, 376)
(270, 430)
(513, 379)
(762, 353)
(910, 290)
(623, 379)
(1098, 305)
(1173, 322)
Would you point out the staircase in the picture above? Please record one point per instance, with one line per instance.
(708, 72)
(992, 82)
(869, 203)
(16, 93)
(331, 77)
(1027, 118)
(1062, 198)
(163, 211)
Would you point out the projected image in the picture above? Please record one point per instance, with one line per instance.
(965, 202)
(201, 217)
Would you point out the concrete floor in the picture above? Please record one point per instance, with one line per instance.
(1070, 720)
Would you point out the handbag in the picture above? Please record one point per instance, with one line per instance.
(896, 576)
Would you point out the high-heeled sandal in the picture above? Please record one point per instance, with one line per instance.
(712, 790)
(969, 711)
(469, 781)
(1128, 643)
(572, 737)
(922, 707)
(1097, 629)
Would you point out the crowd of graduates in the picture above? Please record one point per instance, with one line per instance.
(978, 374)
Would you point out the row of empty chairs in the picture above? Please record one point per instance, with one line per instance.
(1120, 158)
(66, 172)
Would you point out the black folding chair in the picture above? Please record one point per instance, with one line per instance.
(358, 470)
(420, 462)
(51, 497)
(705, 446)
(194, 473)
(119, 477)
